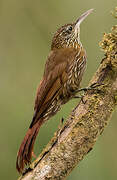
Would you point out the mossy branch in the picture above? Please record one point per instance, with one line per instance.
(86, 122)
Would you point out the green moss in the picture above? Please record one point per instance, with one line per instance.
(114, 13)
(115, 97)
(109, 41)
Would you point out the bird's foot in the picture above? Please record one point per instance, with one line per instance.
(94, 86)
(81, 97)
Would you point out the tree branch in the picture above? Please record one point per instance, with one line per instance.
(86, 122)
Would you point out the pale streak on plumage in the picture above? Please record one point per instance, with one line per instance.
(62, 76)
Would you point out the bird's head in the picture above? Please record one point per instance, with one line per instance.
(69, 34)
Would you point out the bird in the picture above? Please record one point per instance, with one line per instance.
(64, 69)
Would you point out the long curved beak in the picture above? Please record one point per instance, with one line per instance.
(82, 17)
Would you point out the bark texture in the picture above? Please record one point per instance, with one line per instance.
(86, 122)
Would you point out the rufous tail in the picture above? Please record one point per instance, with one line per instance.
(26, 148)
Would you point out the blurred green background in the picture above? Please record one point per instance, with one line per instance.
(26, 31)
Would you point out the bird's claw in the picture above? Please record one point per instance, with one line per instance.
(81, 97)
(92, 87)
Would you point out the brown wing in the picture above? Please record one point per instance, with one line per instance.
(55, 75)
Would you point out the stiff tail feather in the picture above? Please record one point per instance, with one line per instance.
(26, 148)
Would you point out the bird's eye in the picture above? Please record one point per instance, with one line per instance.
(69, 29)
